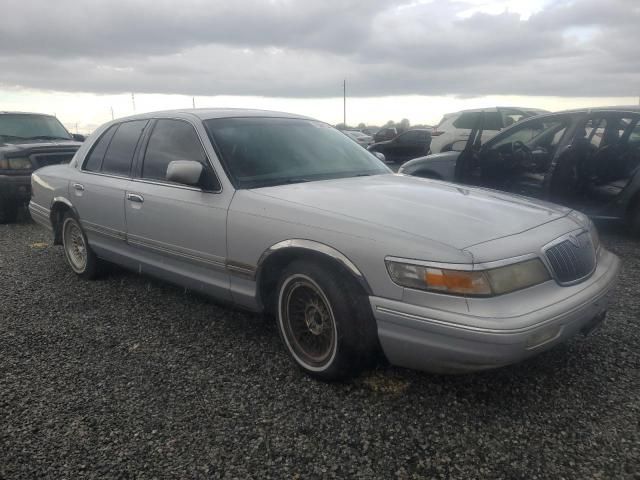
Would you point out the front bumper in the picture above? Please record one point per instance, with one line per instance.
(442, 341)
(15, 188)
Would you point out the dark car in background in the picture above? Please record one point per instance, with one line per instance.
(29, 141)
(586, 159)
(384, 134)
(410, 144)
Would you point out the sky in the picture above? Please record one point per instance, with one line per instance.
(415, 59)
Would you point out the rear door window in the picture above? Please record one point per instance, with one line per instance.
(119, 155)
(93, 162)
(413, 136)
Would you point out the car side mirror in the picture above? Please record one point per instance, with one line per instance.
(186, 172)
(78, 138)
(459, 146)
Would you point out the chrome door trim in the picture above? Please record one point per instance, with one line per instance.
(178, 252)
(104, 231)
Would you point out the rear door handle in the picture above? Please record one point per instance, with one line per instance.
(78, 187)
(134, 197)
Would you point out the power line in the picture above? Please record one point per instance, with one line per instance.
(344, 102)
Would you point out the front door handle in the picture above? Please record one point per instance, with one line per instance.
(134, 197)
(79, 187)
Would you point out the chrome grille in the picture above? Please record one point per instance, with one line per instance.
(573, 258)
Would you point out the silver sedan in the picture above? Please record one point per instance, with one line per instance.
(283, 214)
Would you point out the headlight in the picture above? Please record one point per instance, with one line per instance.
(480, 283)
(18, 163)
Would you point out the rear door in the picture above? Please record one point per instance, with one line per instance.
(178, 231)
(99, 190)
(607, 163)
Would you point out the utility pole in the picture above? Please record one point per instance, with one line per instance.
(133, 102)
(111, 113)
(193, 101)
(344, 103)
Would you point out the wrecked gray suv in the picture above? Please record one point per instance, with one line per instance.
(28, 141)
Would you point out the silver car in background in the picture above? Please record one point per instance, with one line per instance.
(283, 214)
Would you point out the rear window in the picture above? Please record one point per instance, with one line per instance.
(468, 121)
(119, 155)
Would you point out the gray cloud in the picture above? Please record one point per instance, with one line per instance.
(305, 48)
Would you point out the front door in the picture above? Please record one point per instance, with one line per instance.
(520, 161)
(179, 231)
(608, 157)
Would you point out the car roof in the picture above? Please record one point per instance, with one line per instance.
(494, 109)
(211, 113)
(617, 108)
(6, 112)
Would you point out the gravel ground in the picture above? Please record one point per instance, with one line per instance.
(129, 377)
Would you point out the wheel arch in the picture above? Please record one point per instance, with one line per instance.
(278, 256)
(59, 207)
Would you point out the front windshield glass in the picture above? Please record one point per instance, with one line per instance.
(259, 152)
(20, 126)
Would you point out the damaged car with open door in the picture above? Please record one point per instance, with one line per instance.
(588, 160)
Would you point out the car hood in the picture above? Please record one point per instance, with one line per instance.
(443, 212)
(39, 145)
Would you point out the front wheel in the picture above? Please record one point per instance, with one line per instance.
(324, 321)
(79, 255)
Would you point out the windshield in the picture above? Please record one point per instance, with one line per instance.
(21, 126)
(259, 152)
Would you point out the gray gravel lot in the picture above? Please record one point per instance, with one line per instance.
(129, 377)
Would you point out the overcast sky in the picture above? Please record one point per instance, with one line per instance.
(403, 58)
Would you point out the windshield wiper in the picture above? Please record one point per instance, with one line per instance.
(12, 136)
(275, 183)
(46, 137)
(296, 180)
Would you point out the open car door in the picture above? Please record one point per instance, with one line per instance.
(468, 168)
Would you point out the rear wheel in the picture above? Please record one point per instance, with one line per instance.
(324, 321)
(8, 212)
(79, 255)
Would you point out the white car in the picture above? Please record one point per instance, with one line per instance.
(457, 126)
(360, 138)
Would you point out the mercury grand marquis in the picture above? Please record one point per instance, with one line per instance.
(283, 214)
